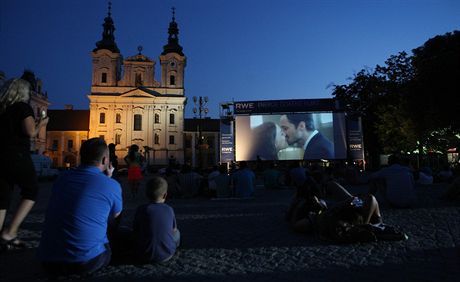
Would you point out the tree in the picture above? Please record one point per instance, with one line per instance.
(411, 101)
(379, 96)
(362, 97)
(435, 100)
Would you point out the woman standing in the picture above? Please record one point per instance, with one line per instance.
(18, 126)
(134, 161)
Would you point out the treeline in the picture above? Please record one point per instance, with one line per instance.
(411, 103)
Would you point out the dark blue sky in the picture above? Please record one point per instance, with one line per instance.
(236, 50)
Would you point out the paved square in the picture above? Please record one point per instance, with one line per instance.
(248, 240)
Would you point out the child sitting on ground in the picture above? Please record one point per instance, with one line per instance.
(155, 230)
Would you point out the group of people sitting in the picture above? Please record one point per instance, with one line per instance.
(322, 206)
(218, 183)
(81, 232)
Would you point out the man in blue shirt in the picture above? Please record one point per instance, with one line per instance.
(74, 238)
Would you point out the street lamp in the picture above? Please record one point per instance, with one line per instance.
(199, 110)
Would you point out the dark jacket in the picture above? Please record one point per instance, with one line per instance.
(319, 148)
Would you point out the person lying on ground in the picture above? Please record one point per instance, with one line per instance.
(342, 218)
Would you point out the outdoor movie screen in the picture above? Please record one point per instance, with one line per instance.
(308, 136)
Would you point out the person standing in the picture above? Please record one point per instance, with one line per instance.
(113, 161)
(74, 238)
(134, 160)
(18, 126)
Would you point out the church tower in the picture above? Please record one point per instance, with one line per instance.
(134, 108)
(172, 59)
(106, 56)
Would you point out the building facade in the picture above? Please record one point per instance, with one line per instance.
(67, 129)
(129, 106)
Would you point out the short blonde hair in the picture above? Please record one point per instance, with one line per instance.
(13, 91)
(156, 188)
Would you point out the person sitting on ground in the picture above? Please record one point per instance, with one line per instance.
(272, 177)
(74, 238)
(155, 230)
(190, 182)
(222, 181)
(345, 219)
(425, 176)
(297, 174)
(244, 181)
(174, 188)
(395, 183)
(212, 187)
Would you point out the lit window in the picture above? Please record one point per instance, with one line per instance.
(171, 119)
(137, 122)
(102, 118)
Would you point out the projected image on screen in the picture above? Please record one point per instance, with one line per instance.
(309, 136)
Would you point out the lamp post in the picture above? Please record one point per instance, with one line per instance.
(200, 109)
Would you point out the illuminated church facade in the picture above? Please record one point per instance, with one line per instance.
(129, 106)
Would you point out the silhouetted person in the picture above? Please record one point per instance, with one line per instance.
(244, 181)
(18, 126)
(134, 160)
(395, 183)
(113, 161)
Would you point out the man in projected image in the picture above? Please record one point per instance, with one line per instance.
(300, 131)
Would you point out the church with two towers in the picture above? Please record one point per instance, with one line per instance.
(128, 105)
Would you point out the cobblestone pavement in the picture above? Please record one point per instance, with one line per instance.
(248, 240)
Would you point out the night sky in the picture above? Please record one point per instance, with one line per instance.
(236, 50)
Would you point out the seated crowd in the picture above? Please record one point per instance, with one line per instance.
(82, 231)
